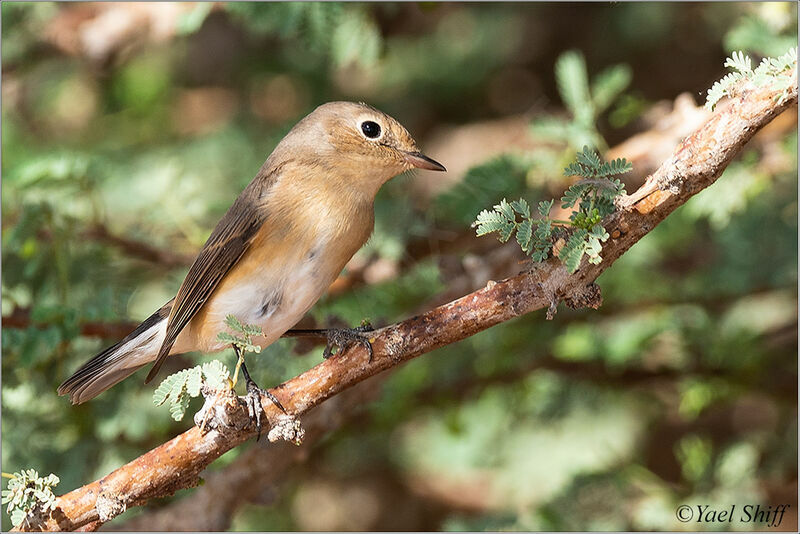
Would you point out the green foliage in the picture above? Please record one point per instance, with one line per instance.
(178, 388)
(593, 197)
(28, 492)
(585, 102)
(482, 184)
(244, 339)
(771, 71)
(345, 31)
(770, 31)
(192, 21)
(694, 454)
(741, 182)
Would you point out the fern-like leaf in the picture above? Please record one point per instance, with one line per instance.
(573, 86)
(608, 85)
(488, 222)
(721, 88)
(234, 323)
(573, 194)
(193, 381)
(740, 62)
(521, 206)
(544, 207)
(589, 158)
(612, 168)
(524, 234)
(162, 391)
(543, 230)
(215, 373)
(178, 408)
(506, 210)
(572, 252)
(506, 231)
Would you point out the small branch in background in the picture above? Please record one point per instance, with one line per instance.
(696, 163)
(131, 247)
(139, 249)
(21, 318)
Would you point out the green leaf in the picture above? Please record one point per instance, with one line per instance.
(228, 338)
(521, 206)
(215, 374)
(740, 62)
(489, 221)
(721, 88)
(599, 232)
(544, 207)
(252, 330)
(178, 386)
(193, 381)
(543, 230)
(786, 61)
(524, 234)
(572, 252)
(506, 210)
(576, 169)
(539, 255)
(617, 166)
(608, 85)
(178, 408)
(162, 391)
(233, 323)
(589, 158)
(192, 21)
(26, 491)
(593, 249)
(573, 86)
(356, 39)
(573, 194)
(506, 231)
(17, 517)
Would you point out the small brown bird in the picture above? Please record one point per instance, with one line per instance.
(275, 252)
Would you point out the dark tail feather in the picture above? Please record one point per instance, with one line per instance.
(116, 362)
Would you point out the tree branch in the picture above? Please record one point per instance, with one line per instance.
(21, 318)
(139, 249)
(697, 162)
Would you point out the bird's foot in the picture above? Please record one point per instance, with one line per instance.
(253, 400)
(344, 338)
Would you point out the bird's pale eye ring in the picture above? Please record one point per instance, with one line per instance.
(371, 129)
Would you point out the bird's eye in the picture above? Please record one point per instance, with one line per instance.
(371, 129)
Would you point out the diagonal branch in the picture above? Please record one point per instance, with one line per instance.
(696, 163)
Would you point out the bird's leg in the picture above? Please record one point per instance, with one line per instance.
(253, 397)
(341, 338)
(239, 363)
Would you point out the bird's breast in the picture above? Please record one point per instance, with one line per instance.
(280, 277)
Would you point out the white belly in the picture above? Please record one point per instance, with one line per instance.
(274, 299)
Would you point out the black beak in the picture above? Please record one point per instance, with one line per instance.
(421, 161)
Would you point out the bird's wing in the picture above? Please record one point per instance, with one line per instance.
(226, 245)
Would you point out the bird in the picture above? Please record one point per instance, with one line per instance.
(277, 249)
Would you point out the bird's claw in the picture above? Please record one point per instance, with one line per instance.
(344, 338)
(253, 401)
(254, 408)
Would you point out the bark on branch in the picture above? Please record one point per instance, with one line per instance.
(696, 163)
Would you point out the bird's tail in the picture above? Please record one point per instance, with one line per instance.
(118, 361)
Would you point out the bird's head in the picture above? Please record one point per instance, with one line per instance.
(357, 142)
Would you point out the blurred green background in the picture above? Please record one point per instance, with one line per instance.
(128, 130)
